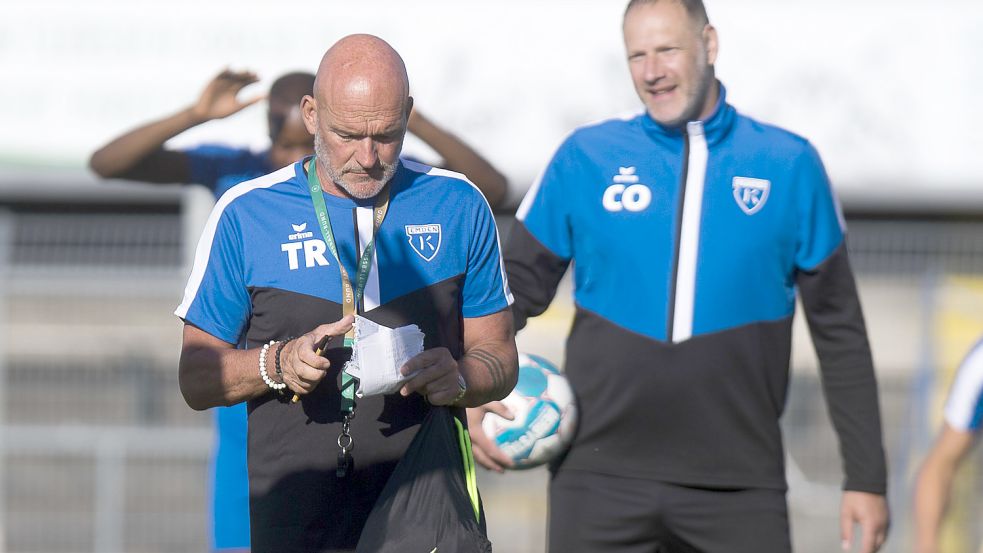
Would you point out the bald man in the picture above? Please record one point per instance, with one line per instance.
(284, 263)
(140, 155)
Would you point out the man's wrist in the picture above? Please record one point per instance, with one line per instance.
(265, 367)
(191, 117)
(876, 487)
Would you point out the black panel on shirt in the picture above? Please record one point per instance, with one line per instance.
(702, 412)
(292, 447)
(713, 402)
(445, 326)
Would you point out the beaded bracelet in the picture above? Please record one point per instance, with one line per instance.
(276, 358)
(275, 386)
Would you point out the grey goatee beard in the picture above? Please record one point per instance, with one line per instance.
(362, 192)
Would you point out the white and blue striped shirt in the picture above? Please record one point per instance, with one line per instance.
(964, 408)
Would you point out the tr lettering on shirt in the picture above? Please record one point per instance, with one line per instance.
(313, 248)
(313, 253)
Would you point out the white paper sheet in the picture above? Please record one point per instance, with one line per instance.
(378, 353)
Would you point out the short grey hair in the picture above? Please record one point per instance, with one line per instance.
(695, 8)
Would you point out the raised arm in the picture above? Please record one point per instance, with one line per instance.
(461, 158)
(140, 155)
(935, 484)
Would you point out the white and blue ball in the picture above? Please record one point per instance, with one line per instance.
(545, 415)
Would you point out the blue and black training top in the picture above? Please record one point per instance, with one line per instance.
(262, 272)
(688, 246)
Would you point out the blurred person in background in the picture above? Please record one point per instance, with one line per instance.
(248, 287)
(141, 155)
(963, 419)
(690, 229)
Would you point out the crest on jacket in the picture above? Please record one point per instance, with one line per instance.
(751, 194)
(424, 239)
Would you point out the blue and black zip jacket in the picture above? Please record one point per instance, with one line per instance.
(688, 246)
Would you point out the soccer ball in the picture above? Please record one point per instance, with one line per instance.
(545, 415)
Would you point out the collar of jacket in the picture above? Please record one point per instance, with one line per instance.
(715, 127)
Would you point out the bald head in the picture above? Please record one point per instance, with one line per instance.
(358, 114)
(362, 66)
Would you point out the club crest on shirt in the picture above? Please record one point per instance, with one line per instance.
(424, 239)
(751, 194)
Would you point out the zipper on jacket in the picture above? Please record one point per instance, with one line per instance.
(680, 202)
(682, 306)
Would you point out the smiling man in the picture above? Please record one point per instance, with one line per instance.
(690, 229)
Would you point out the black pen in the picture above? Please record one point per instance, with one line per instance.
(323, 345)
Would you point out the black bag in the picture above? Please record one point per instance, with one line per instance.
(430, 503)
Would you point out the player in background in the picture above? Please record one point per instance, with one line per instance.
(141, 155)
(963, 419)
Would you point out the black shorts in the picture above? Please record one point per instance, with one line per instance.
(591, 512)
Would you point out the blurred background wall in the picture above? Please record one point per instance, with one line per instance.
(98, 451)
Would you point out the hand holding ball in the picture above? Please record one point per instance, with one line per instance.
(545, 415)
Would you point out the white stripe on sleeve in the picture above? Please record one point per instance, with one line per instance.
(204, 248)
(437, 171)
(962, 409)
